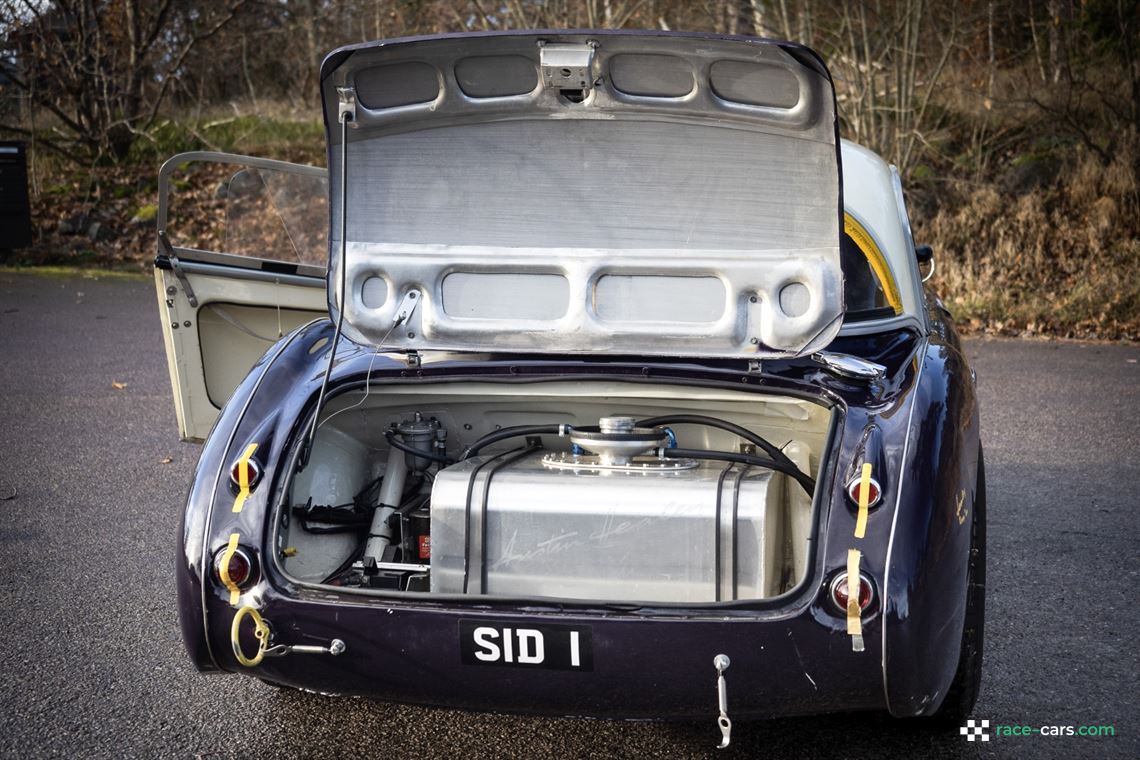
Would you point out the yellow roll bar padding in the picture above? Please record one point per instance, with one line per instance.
(864, 498)
(875, 258)
(243, 477)
(235, 592)
(854, 621)
(260, 630)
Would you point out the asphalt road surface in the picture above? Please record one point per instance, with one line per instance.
(91, 663)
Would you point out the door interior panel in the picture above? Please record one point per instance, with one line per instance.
(242, 267)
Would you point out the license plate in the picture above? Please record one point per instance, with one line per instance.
(522, 645)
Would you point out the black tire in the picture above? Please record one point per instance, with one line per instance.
(963, 692)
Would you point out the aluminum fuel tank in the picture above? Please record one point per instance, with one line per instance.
(637, 534)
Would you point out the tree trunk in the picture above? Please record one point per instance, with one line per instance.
(1036, 44)
(1053, 11)
(990, 44)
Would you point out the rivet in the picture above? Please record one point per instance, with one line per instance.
(186, 323)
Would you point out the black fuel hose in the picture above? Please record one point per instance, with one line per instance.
(516, 431)
(790, 470)
(699, 419)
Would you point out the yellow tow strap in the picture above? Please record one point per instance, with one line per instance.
(864, 500)
(260, 630)
(854, 623)
(235, 592)
(243, 477)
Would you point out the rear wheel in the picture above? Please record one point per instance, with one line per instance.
(963, 693)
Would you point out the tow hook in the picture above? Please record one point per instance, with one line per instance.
(721, 663)
(265, 647)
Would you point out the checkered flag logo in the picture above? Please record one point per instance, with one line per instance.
(975, 730)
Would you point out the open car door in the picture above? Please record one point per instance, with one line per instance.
(242, 254)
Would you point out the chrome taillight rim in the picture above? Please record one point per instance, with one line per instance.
(876, 492)
(840, 581)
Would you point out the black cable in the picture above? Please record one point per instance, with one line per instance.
(791, 470)
(500, 464)
(716, 529)
(366, 496)
(332, 528)
(467, 508)
(398, 444)
(736, 531)
(304, 458)
(699, 419)
(516, 431)
(345, 566)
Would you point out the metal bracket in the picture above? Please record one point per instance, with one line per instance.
(346, 99)
(176, 267)
(335, 647)
(567, 66)
(406, 308)
(721, 663)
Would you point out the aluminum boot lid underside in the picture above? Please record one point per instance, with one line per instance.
(629, 193)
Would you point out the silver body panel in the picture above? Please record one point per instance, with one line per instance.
(607, 535)
(653, 194)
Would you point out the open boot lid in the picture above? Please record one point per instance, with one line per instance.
(649, 193)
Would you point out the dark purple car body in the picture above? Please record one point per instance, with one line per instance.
(916, 422)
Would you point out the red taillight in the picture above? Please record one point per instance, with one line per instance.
(839, 592)
(252, 473)
(875, 493)
(239, 567)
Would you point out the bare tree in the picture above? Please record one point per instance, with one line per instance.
(102, 69)
(888, 58)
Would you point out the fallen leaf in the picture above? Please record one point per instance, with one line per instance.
(165, 460)
(117, 385)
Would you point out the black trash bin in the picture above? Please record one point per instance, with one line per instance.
(15, 211)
